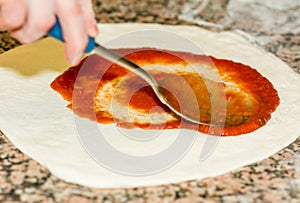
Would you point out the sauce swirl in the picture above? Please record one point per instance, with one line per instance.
(249, 98)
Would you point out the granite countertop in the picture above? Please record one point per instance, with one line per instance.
(271, 24)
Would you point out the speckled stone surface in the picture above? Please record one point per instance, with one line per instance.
(272, 24)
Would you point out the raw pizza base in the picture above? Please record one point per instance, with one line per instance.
(36, 120)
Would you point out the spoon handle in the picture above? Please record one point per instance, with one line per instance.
(124, 62)
(57, 33)
(112, 56)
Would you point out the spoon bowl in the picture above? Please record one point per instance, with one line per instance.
(174, 92)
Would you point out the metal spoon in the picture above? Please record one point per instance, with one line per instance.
(188, 112)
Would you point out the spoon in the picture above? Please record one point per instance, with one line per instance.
(186, 106)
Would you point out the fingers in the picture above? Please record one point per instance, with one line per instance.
(29, 20)
(75, 35)
(89, 17)
(40, 18)
(12, 20)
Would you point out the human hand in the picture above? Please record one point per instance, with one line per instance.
(29, 20)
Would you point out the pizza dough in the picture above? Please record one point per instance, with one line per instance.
(36, 120)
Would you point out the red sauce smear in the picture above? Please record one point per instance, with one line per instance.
(249, 103)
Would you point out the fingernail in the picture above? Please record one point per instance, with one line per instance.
(76, 59)
(93, 31)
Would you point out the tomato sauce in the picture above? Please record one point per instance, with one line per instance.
(249, 98)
